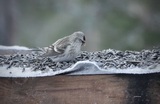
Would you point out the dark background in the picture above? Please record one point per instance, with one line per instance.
(118, 24)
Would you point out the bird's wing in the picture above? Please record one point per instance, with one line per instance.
(61, 44)
(50, 53)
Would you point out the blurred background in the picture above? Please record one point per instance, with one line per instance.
(117, 24)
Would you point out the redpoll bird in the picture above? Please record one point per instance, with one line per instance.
(65, 49)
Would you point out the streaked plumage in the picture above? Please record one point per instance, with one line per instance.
(65, 49)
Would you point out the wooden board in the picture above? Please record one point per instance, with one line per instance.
(96, 89)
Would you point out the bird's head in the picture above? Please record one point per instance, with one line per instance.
(79, 36)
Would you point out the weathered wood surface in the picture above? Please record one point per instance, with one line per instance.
(97, 89)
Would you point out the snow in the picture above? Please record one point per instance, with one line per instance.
(80, 68)
(14, 47)
(110, 61)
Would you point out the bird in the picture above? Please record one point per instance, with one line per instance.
(66, 48)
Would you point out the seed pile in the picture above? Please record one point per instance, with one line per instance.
(121, 60)
(105, 59)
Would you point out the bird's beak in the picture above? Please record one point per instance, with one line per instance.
(84, 41)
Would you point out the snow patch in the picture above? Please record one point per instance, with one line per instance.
(14, 47)
(79, 68)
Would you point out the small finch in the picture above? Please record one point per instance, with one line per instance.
(65, 49)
